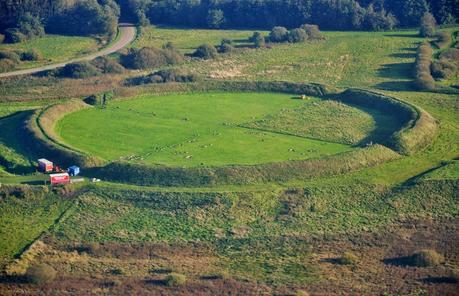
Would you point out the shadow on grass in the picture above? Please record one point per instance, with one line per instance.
(396, 70)
(399, 261)
(439, 280)
(408, 35)
(331, 260)
(161, 271)
(16, 279)
(156, 282)
(403, 55)
(395, 86)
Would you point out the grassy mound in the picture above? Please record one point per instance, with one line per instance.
(38, 134)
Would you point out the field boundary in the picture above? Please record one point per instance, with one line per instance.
(418, 130)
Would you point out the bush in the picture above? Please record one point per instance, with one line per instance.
(348, 258)
(150, 57)
(31, 55)
(426, 258)
(106, 65)
(2, 38)
(40, 274)
(443, 68)
(312, 31)
(278, 34)
(7, 65)
(297, 35)
(175, 279)
(14, 36)
(226, 48)
(11, 55)
(79, 70)
(428, 24)
(91, 100)
(450, 54)
(163, 76)
(206, 51)
(258, 39)
(173, 56)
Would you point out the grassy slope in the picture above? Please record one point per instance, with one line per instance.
(23, 219)
(190, 130)
(330, 121)
(54, 48)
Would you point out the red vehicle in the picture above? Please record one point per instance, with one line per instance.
(45, 165)
(57, 179)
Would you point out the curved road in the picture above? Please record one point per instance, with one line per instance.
(127, 33)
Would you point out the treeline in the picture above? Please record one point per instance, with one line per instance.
(265, 14)
(83, 17)
(26, 19)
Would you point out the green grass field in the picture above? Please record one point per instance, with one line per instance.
(210, 129)
(54, 48)
(359, 59)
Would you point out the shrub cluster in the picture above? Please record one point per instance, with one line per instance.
(28, 27)
(226, 46)
(163, 76)
(423, 77)
(79, 70)
(31, 55)
(348, 258)
(258, 39)
(303, 33)
(447, 65)
(206, 52)
(107, 66)
(151, 57)
(426, 258)
(41, 274)
(101, 65)
(175, 279)
(10, 59)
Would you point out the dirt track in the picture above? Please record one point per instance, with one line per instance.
(127, 34)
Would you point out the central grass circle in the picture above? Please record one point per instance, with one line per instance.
(215, 129)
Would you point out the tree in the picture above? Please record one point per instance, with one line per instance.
(258, 40)
(86, 18)
(278, 34)
(215, 18)
(428, 24)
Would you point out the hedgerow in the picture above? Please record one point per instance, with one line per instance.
(423, 76)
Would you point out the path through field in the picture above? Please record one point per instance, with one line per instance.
(127, 35)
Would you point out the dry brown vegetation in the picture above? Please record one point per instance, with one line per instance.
(118, 268)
